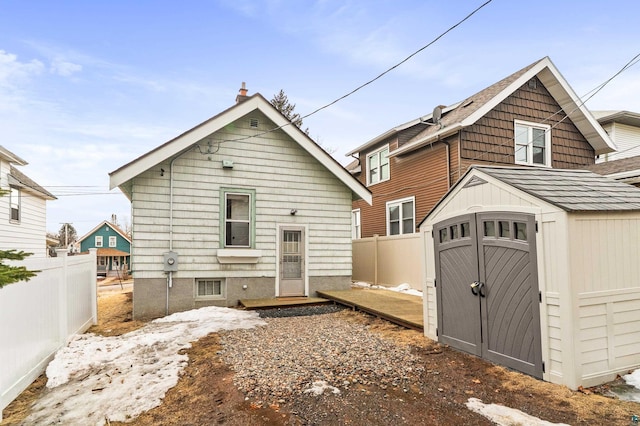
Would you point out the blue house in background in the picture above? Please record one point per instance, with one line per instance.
(114, 249)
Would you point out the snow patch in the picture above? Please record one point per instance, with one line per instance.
(95, 379)
(318, 388)
(402, 288)
(505, 416)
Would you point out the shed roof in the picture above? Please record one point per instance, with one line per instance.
(570, 190)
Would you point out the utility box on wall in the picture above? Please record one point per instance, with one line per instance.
(171, 261)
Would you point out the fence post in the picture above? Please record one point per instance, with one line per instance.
(375, 259)
(93, 252)
(63, 298)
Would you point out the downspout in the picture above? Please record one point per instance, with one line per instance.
(459, 152)
(448, 154)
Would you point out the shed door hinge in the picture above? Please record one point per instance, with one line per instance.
(437, 332)
(536, 226)
(540, 296)
(435, 283)
(543, 367)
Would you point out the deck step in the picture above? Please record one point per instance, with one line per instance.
(280, 302)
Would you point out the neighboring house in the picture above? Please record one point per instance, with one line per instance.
(23, 211)
(531, 118)
(537, 269)
(242, 206)
(625, 170)
(623, 128)
(114, 249)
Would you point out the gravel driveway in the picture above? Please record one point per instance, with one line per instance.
(291, 354)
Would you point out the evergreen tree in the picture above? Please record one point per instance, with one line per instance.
(67, 235)
(282, 104)
(12, 274)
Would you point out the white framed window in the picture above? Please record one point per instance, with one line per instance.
(237, 220)
(378, 166)
(98, 241)
(355, 224)
(532, 143)
(113, 241)
(401, 216)
(14, 202)
(210, 288)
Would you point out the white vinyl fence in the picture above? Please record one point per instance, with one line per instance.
(38, 316)
(388, 261)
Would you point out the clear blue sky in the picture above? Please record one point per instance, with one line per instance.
(87, 86)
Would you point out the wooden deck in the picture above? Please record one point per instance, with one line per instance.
(280, 302)
(399, 308)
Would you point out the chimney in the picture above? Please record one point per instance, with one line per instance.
(242, 94)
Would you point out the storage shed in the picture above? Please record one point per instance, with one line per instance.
(537, 270)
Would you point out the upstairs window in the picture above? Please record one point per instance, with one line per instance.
(532, 143)
(378, 166)
(14, 201)
(112, 241)
(401, 216)
(98, 241)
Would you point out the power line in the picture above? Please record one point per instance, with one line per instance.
(399, 63)
(589, 95)
(370, 81)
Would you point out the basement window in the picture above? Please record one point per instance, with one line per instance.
(210, 288)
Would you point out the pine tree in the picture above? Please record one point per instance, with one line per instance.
(12, 274)
(282, 104)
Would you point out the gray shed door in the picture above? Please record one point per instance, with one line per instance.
(487, 288)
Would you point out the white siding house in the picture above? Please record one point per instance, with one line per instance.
(23, 210)
(242, 206)
(583, 278)
(623, 127)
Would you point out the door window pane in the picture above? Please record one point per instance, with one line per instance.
(504, 229)
(444, 235)
(465, 230)
(489, 229)
(520, 230)
(454, 232)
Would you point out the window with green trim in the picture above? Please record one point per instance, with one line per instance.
(237, 219)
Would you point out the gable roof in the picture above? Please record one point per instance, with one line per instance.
(571, 190)
(629, 118)
(189, 138)
(19, 179)
(110, 225)
(11, 157)
(397, 129)
(475, 107)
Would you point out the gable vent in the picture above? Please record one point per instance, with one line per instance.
(474, 181)
(253, 123)
(533, 84)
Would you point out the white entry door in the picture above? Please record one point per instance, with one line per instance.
(292, 261)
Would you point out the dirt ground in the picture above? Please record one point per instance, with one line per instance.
(205, 393)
